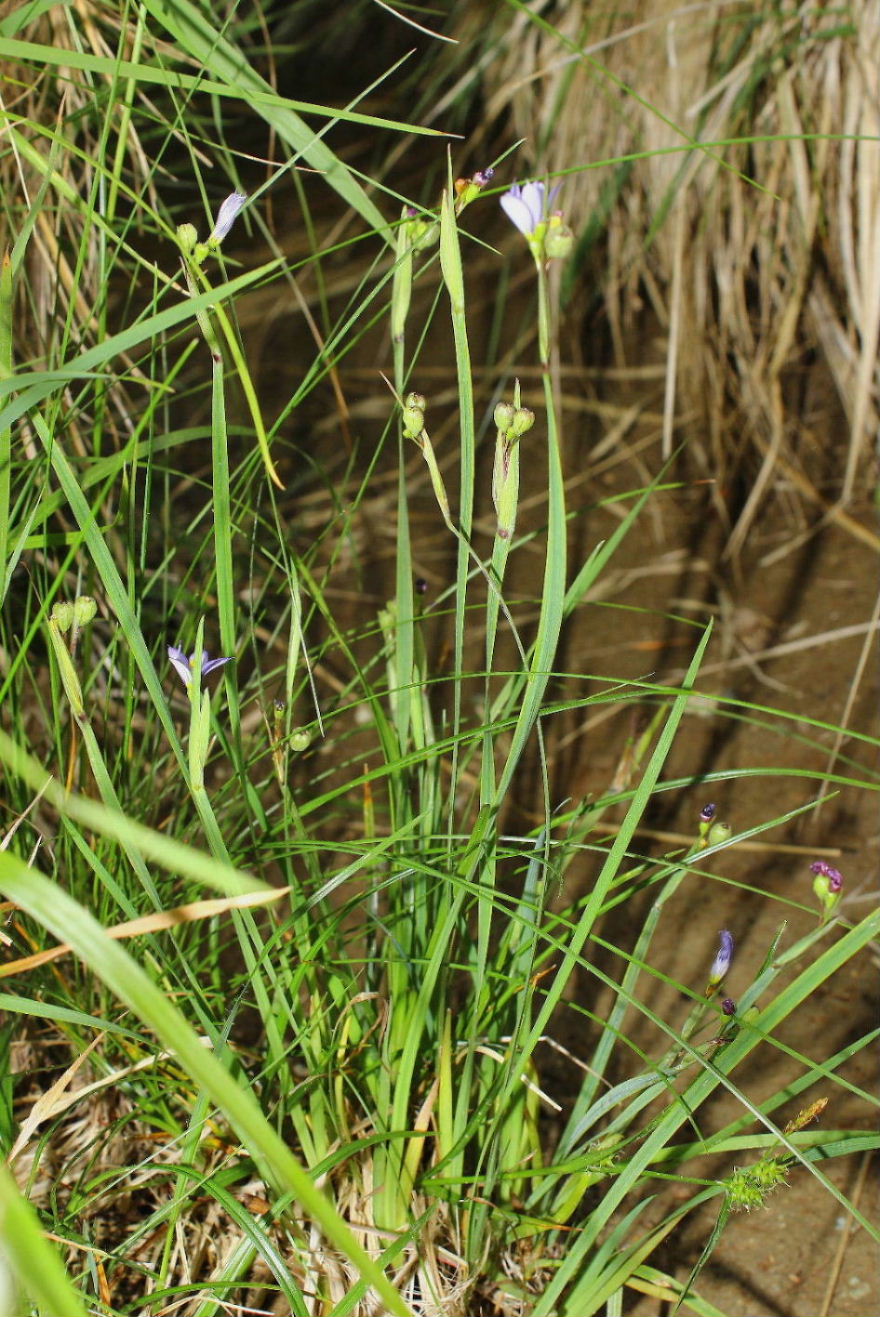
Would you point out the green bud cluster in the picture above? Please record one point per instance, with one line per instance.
(422, 231)
(513, 422)
(413, 415)
(63, 617)
(503, 416)
(749, 1186)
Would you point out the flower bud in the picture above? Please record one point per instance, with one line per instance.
(718, 833)
(503, 416)
(84, 609)
(226, 217)
(423, 233)
(523, 420)
(466, 189)
(558, 240)
(62, 616)
(722, 962)
(833, 876)
(827, 884)
(187, 237)
(413, 422)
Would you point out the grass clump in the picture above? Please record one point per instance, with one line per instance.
(286, 953)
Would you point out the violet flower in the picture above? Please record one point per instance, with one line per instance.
(183, 665)
(722, 962)
(827, 884)
(524, 205)
(826, 870)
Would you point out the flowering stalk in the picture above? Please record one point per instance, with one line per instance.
(191, 669)
(526, 207)
(62, 618)
(414, 428)
(194, 255)
(512, 421)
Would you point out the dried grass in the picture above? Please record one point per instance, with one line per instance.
(51, 121)
(761, 260)
(96, 1133)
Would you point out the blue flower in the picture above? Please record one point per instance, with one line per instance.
(183, 665)
(722, 962)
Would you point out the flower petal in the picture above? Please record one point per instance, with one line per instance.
(209, 664)
(181, 664)
(533, 196)
(722, 962)
(518, 212)
(227, 214)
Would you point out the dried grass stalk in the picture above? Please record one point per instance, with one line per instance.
(759, 257)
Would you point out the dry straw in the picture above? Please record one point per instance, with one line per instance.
(760, 257)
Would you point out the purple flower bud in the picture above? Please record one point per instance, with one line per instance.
(483, 176)
(707, 813)
(834, 876)
(183, 665)
(728, 1006)
(227, 215)
(721, 963)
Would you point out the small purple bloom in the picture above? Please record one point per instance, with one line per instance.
(483, 176)
(707, 813)
(834, 876)
(227, 215)
(525, 205)
(183, 665)
(721, 963)
(728, 1006)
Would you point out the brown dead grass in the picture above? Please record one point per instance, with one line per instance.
(758, 259)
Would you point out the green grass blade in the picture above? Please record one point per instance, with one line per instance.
(197, 33)
(32, 1259)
